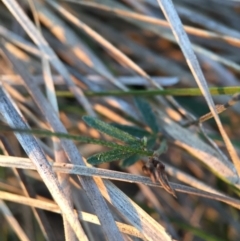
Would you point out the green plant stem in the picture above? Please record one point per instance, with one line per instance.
(82, 139)
(174, 92)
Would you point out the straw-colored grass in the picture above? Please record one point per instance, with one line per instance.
(64, 60)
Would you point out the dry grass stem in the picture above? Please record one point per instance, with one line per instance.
(83, 78)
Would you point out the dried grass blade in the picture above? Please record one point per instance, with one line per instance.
(75, 45)
(160, 22)
(19, 41)
(29, 191)
(35, 153)
(13, 223)
(185, 139)
(58, 151)
(151, 229)
(52, 207)
(184, 43)
(42, 44)
(121, 57)
(199, 190)
(98, 202)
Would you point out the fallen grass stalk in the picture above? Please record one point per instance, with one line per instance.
(25, 163)
(53, 207)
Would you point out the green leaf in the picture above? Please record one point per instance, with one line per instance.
(132, 130)
(130, 160)
(112, 131)
(108, 156)
(147, 113)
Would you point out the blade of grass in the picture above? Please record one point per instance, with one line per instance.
(184, 138)
(135, 215)
(35, 153)
(75, 44)
(119, 56)
(161, 22)
(43, 45)
(227, 90)
(104, 214)
(12, 221)
(29, 191)
(53, 207)
(98, 38)
(207, 192)
(58, 151)
(220, 108)
(184, 43)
